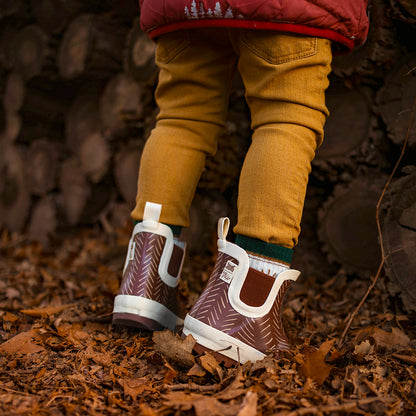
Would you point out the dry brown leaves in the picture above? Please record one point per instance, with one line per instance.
(59, 353)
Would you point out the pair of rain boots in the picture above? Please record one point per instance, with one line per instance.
(237, 316)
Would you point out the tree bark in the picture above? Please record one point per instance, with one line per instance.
(201, 235)
(102, 196)
(45, 101)
(54, 15)
(125, 8)
(12, 7)
(115, 217)
(378, 52)
(223, 170)
(405, 10)
(2, 121)
(7, 33)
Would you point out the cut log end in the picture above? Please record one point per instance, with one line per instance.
(75, 47)
(399, 239)
(42, 166)
(90, 46)
(139, 55)
(121, 106)
(396, 100)
(54, 15)
(348, 227)
(32, 52)
(348, 124)
(94, 156)
(43, 221)
(75, 190)
(14, 92)
(126, 168)
(14, 190)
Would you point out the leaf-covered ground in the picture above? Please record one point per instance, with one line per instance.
(60, 354)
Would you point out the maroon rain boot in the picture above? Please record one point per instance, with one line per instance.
(238, 315)
(147, 297)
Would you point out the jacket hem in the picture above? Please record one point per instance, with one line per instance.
(252, 24)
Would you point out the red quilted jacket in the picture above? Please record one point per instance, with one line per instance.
(343, 21)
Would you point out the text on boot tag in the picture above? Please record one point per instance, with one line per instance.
(132, 249)
(228, 271)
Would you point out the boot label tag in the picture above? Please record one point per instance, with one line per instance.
(228, 272)
(132, 249)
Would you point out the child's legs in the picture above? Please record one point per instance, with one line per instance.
(285, 78)
(196, 68)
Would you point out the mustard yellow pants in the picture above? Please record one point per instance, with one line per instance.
(285, 77)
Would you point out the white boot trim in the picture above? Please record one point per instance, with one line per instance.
(240, 274)
(151, 224)
(147, 308)
(218, 341)
(258, 311)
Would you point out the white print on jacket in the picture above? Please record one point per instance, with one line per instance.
(192, 12)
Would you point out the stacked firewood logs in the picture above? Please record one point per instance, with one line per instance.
(76, 85)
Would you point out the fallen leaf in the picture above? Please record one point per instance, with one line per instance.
(408, 359)
(314, 366)
(101, 358)
(390, 340)
(46, 311)
(180, 400)
(234, 389)
(73, 333)
(268, 364)
(146, 410)
(134, 387)
(21, 344)
(9, 317)
(174, 347)
(12, 293)
(271, 384)
(210, 364)
(209, 406)
(364, 348)
(203, 405)
(170, 374)
(249, 405)
(196, 370)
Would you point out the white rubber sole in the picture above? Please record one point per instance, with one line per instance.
(146, 308)
(217, 341)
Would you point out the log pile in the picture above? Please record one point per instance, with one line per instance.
(76, 86)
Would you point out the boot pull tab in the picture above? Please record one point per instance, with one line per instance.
(223, 227)
(151, 215)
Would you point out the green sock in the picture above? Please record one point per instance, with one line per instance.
(268, 258)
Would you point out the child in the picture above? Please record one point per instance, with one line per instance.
(282, 50)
